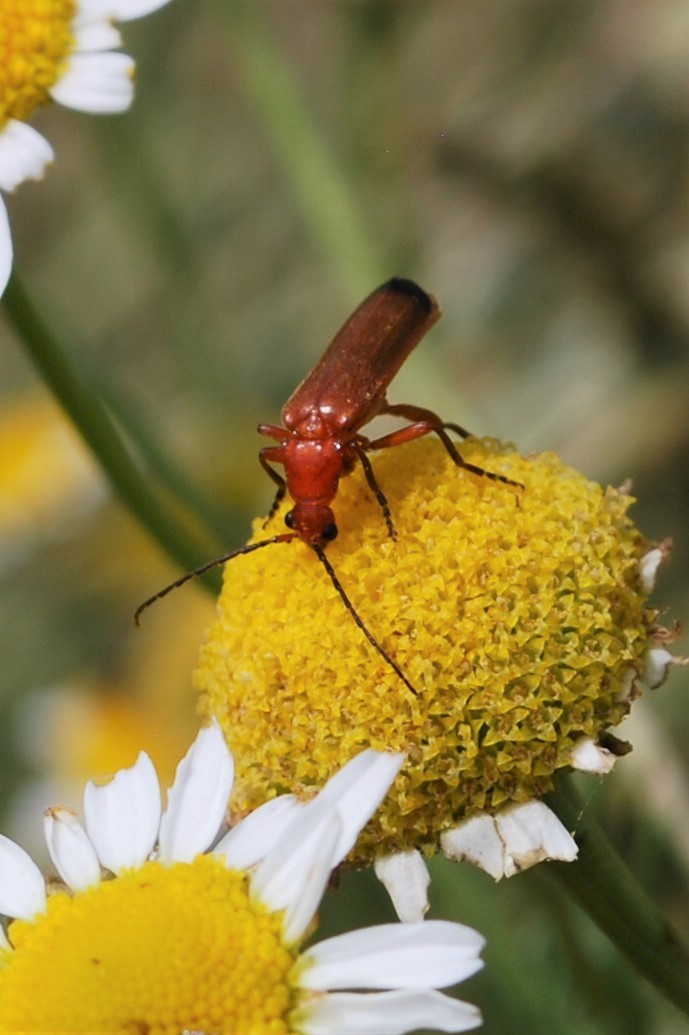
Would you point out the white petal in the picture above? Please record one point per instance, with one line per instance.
(24, 154)
(657, 663)
(253, 838)
(121, 10)
(5, 248)
(357, 790)
(198, 798)
(427, 954)
(22, 888)
(384, 1013)
(590, 757)
(532, 833)
(122, 816)
(405, 878)
(73, 855)
(516, 838)
(94, 34)
(648, 568)
(477, 841)
(294, 875)
(125, 10)
(97, 83)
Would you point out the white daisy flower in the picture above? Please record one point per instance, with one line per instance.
(178, 938)
(58, 50)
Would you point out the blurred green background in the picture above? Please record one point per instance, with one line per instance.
(525, 161)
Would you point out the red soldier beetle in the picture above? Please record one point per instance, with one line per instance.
(319, 440)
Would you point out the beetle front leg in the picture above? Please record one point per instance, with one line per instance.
(275, 431)
(273, 453)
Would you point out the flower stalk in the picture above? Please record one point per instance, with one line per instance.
(605, 888)
(326, 201)
(84, 407)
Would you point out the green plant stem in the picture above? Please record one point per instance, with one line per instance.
(211, 517)
(82, 404)
(603, 886)
(324, 196)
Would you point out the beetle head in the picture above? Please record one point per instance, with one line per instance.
(312, 522)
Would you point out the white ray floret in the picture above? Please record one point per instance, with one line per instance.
(100, 84)
(294, 877)
(22, 888)
(405, 877)
(386, 1013)
(6, 250)
(516, 838)
(658, 661)
(589, 757)
(416, 955)
(252, 839)
(198, 798)
(648, 568)
(24, 154)
(71, 849)
(122, 816)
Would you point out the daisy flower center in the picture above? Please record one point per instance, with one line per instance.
(162, 949)
(517, 615)
(35, 42)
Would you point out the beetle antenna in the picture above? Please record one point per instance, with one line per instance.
(285, 537)
(320, 553)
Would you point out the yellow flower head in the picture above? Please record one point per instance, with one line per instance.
(517, 614)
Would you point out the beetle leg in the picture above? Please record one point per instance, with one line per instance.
(273, 453)
(417, 414)
(359, 448)
(434, 425)
(275, 431)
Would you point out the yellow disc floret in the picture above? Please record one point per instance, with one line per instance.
(160, 950)
(517, 615)
(35, 42)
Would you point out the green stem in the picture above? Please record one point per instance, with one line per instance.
(326, 202)
(211, 518)
(330, 207)
(90, 416)
(603, 886)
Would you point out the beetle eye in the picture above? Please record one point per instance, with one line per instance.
(329, 532)
(289, 519)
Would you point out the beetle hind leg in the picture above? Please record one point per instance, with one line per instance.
(425, 422)
(420, 415)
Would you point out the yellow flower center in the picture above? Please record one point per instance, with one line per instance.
(516, 614)
(159, 950)
(35, 41)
